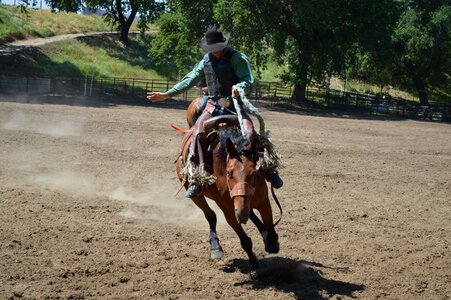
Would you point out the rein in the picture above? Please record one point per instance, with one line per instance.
(278, 205)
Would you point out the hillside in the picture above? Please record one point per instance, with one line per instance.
(16, 24)
(102, 55)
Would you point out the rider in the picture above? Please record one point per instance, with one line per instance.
(225, 70)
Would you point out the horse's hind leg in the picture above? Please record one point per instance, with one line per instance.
(246, 242)
(216, 251)
(272, 239)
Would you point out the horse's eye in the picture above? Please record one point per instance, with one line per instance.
(229, 174)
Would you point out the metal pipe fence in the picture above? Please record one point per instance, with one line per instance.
(133, 88)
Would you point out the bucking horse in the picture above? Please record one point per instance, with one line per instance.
(240, 186)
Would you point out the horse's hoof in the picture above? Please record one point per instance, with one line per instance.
(216, 254)
(273, 249)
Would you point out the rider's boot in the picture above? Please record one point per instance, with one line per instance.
(194, 190)
(197, 172)
(272, 176)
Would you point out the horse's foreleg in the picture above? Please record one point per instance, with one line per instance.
(259, 224)
(246, 242)
(272, 239)
(216, 251)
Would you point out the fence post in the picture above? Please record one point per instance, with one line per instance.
(133, 87)
(92, 82)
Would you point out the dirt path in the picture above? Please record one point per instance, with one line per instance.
(87, 210)
(18, 45)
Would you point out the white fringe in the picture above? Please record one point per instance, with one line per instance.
(271, 158)
(197, 174)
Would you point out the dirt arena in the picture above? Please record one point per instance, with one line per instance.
(87, 209)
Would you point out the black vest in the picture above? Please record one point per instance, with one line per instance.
(219, 74)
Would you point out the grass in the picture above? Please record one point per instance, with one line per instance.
(104, 56)
(15, 24)
(271, 72)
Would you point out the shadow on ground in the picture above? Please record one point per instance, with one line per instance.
(32, 61)
(302, 278)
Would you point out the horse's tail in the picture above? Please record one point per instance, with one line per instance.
(180, 129)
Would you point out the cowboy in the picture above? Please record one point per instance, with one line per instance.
(225, 71)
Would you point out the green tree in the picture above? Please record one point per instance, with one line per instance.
(313, 38)
(122, 13)
(373, 59)
(173, 50)
(422, 42)
(65, 5)
(176, 49)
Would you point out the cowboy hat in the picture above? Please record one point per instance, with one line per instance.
(214, 40)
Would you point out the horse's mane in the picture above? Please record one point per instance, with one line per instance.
(232, 133)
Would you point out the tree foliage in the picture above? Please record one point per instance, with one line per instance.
(120, 13)
(65, 5)
(176, 49)
(314, 39)
(422, 42)
(173, 50)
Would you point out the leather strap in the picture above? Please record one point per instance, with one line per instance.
(242, 189)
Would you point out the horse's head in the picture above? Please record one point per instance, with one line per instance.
(241, 172)
(240, 163)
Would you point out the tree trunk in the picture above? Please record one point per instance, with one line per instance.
(126, 23)
(419, 84)
(304, 58)
(124, 34)
(299, 94)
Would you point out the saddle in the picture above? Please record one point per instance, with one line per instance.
(210, 126)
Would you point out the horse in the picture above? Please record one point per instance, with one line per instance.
(239, 187)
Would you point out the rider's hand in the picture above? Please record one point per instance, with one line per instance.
(157, 96)
(235, 93)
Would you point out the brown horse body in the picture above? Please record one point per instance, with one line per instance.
(239, 187)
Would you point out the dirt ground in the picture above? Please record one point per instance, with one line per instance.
(87, 209)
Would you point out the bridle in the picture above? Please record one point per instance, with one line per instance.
(242, 188)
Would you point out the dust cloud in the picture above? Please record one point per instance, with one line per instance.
(69, 181)
(157, 202)
(55, 126)
(44, 166)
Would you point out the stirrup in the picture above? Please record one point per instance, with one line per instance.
(193, 191)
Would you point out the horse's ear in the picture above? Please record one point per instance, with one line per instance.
(230, 147)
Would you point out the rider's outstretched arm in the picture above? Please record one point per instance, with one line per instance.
(188, 81)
